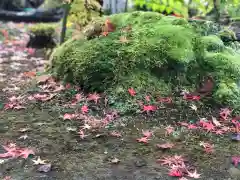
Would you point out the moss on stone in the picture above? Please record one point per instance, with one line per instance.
(160, 54)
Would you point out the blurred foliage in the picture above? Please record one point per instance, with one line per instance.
(43, 29)
(83, 12)
(185, 8)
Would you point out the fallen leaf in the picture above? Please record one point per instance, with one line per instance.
(193, 107)
(94, 97)
(165, 100)
(169, 130)
(192, 126)
(69, 116)
(215, 121)
(175, 173)
(143, 140)
(26, 152)
(194, 174)
(23, 137)
(147, 133)
(86, 126)
(165, 145)
(236, 160)
(115, 134)
(43, 78)
(7, 178)
(115, 160)
(225, 113)
(82, 134)
(208, 148)
(39, 161)
(84, 109)
(148, 108)
(123, 39)
(132, 92)
(29, 74)
(147, 98)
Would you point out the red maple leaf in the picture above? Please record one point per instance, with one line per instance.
(109, 27)
(224, 113)
(192, 126)
(209, 126)
(147, 133)
(175, 173)
(26, 152)
(191, 97)
(79, 97)
(236, 160)
(132, 92)
(177, 15)
(143, 140)
(94, 97)
(169, 130)
(115, 134)
(68, 86)
(165, 100)
(208, 148)
(165, 161)
(219, 132)
(84, 109)
(183, 124)
(105, 33)
(82, 134)
(147, 98)
(69, 116)
(149, 108)
(7, 178)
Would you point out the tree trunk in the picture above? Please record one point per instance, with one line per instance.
(216, 8)
(67, 8)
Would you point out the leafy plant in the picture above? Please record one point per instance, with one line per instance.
(185, 9)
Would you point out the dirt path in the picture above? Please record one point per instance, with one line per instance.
(40, 126)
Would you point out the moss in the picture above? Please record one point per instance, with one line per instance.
(43, 29)
(160, 54)
(228, 93)
(227, 35)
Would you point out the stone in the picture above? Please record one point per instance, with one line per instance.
(234, 172)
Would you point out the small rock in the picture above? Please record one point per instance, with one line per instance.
(45, 168)
(234, 172)
(140, 163)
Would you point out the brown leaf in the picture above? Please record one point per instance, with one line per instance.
(123, 39)
(43, 79)
(165, 146)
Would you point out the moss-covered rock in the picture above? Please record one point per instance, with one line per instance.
(42, 35)
(149, 52)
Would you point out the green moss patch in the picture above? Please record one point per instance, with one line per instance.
(159, 54)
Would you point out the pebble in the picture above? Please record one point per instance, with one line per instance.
(140, 163)
(234, 172)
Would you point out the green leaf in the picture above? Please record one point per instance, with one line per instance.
(155, 7)
(162, 8)
(169, 10)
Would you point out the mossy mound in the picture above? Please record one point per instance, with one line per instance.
(150, 52)
(42, 35)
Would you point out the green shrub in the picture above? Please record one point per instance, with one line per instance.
(162, 54)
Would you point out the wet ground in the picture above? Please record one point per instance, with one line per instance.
(108, 152)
